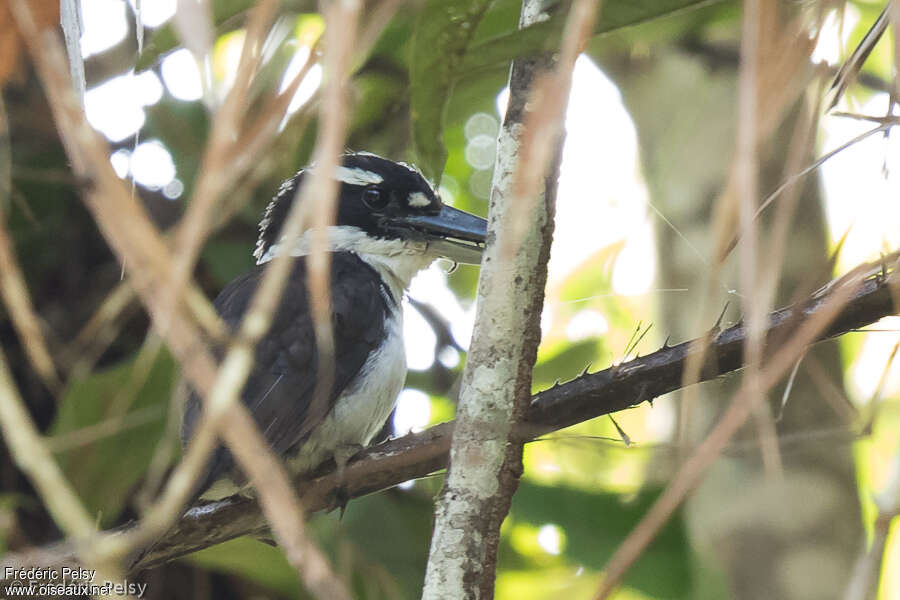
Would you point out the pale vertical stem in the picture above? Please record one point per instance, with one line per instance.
(137, 241)
(486, 453)
(13, 287)
(214, 176)
(746, 177)
(27, 448)
(319, 203)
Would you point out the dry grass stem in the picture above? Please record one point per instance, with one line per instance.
(259, 135)
(100, 329)
(317, 199)
(137, 242)
(864, 580)
(214, 176)
(797, 176)
(21, 312)
(829, 390)
(103, 429)
(802, 147)
(746, 170)
(32, 456)
(781, 60)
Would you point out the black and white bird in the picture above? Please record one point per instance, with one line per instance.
(390, 224)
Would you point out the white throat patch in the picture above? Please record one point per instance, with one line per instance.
(397, 261)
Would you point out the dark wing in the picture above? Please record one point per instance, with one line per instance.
(280, 387)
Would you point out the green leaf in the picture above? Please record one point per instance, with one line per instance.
(390, 534)
(105, 470)
(567, 362)
(227, 259)
(594, 524)
(442, 35)
(545, 36)
(183, 127)
(253, 560)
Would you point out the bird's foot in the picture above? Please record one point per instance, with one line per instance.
(342, 455)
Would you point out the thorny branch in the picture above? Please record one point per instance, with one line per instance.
(616, 388)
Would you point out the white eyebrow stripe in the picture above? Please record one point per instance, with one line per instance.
(418, 200)
(356, 176)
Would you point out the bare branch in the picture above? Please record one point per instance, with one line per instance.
(830, 305)
(611, 390)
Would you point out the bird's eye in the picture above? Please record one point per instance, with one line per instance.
(375, 198)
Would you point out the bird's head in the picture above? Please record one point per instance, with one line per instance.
(384, 208)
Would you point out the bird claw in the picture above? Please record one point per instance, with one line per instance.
(342, 455)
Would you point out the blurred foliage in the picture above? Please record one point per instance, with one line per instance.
(593, 524)
(132, 399)
(413, 95)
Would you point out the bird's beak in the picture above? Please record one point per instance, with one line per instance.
(452, 233)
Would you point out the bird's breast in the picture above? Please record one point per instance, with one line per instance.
(362, 409)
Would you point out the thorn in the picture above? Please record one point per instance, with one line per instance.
(718, 325)
(852, 65)
(635, 340)
(833, 256)
(634, 334)
(585, 371)
(666, 343)
(622, 434)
